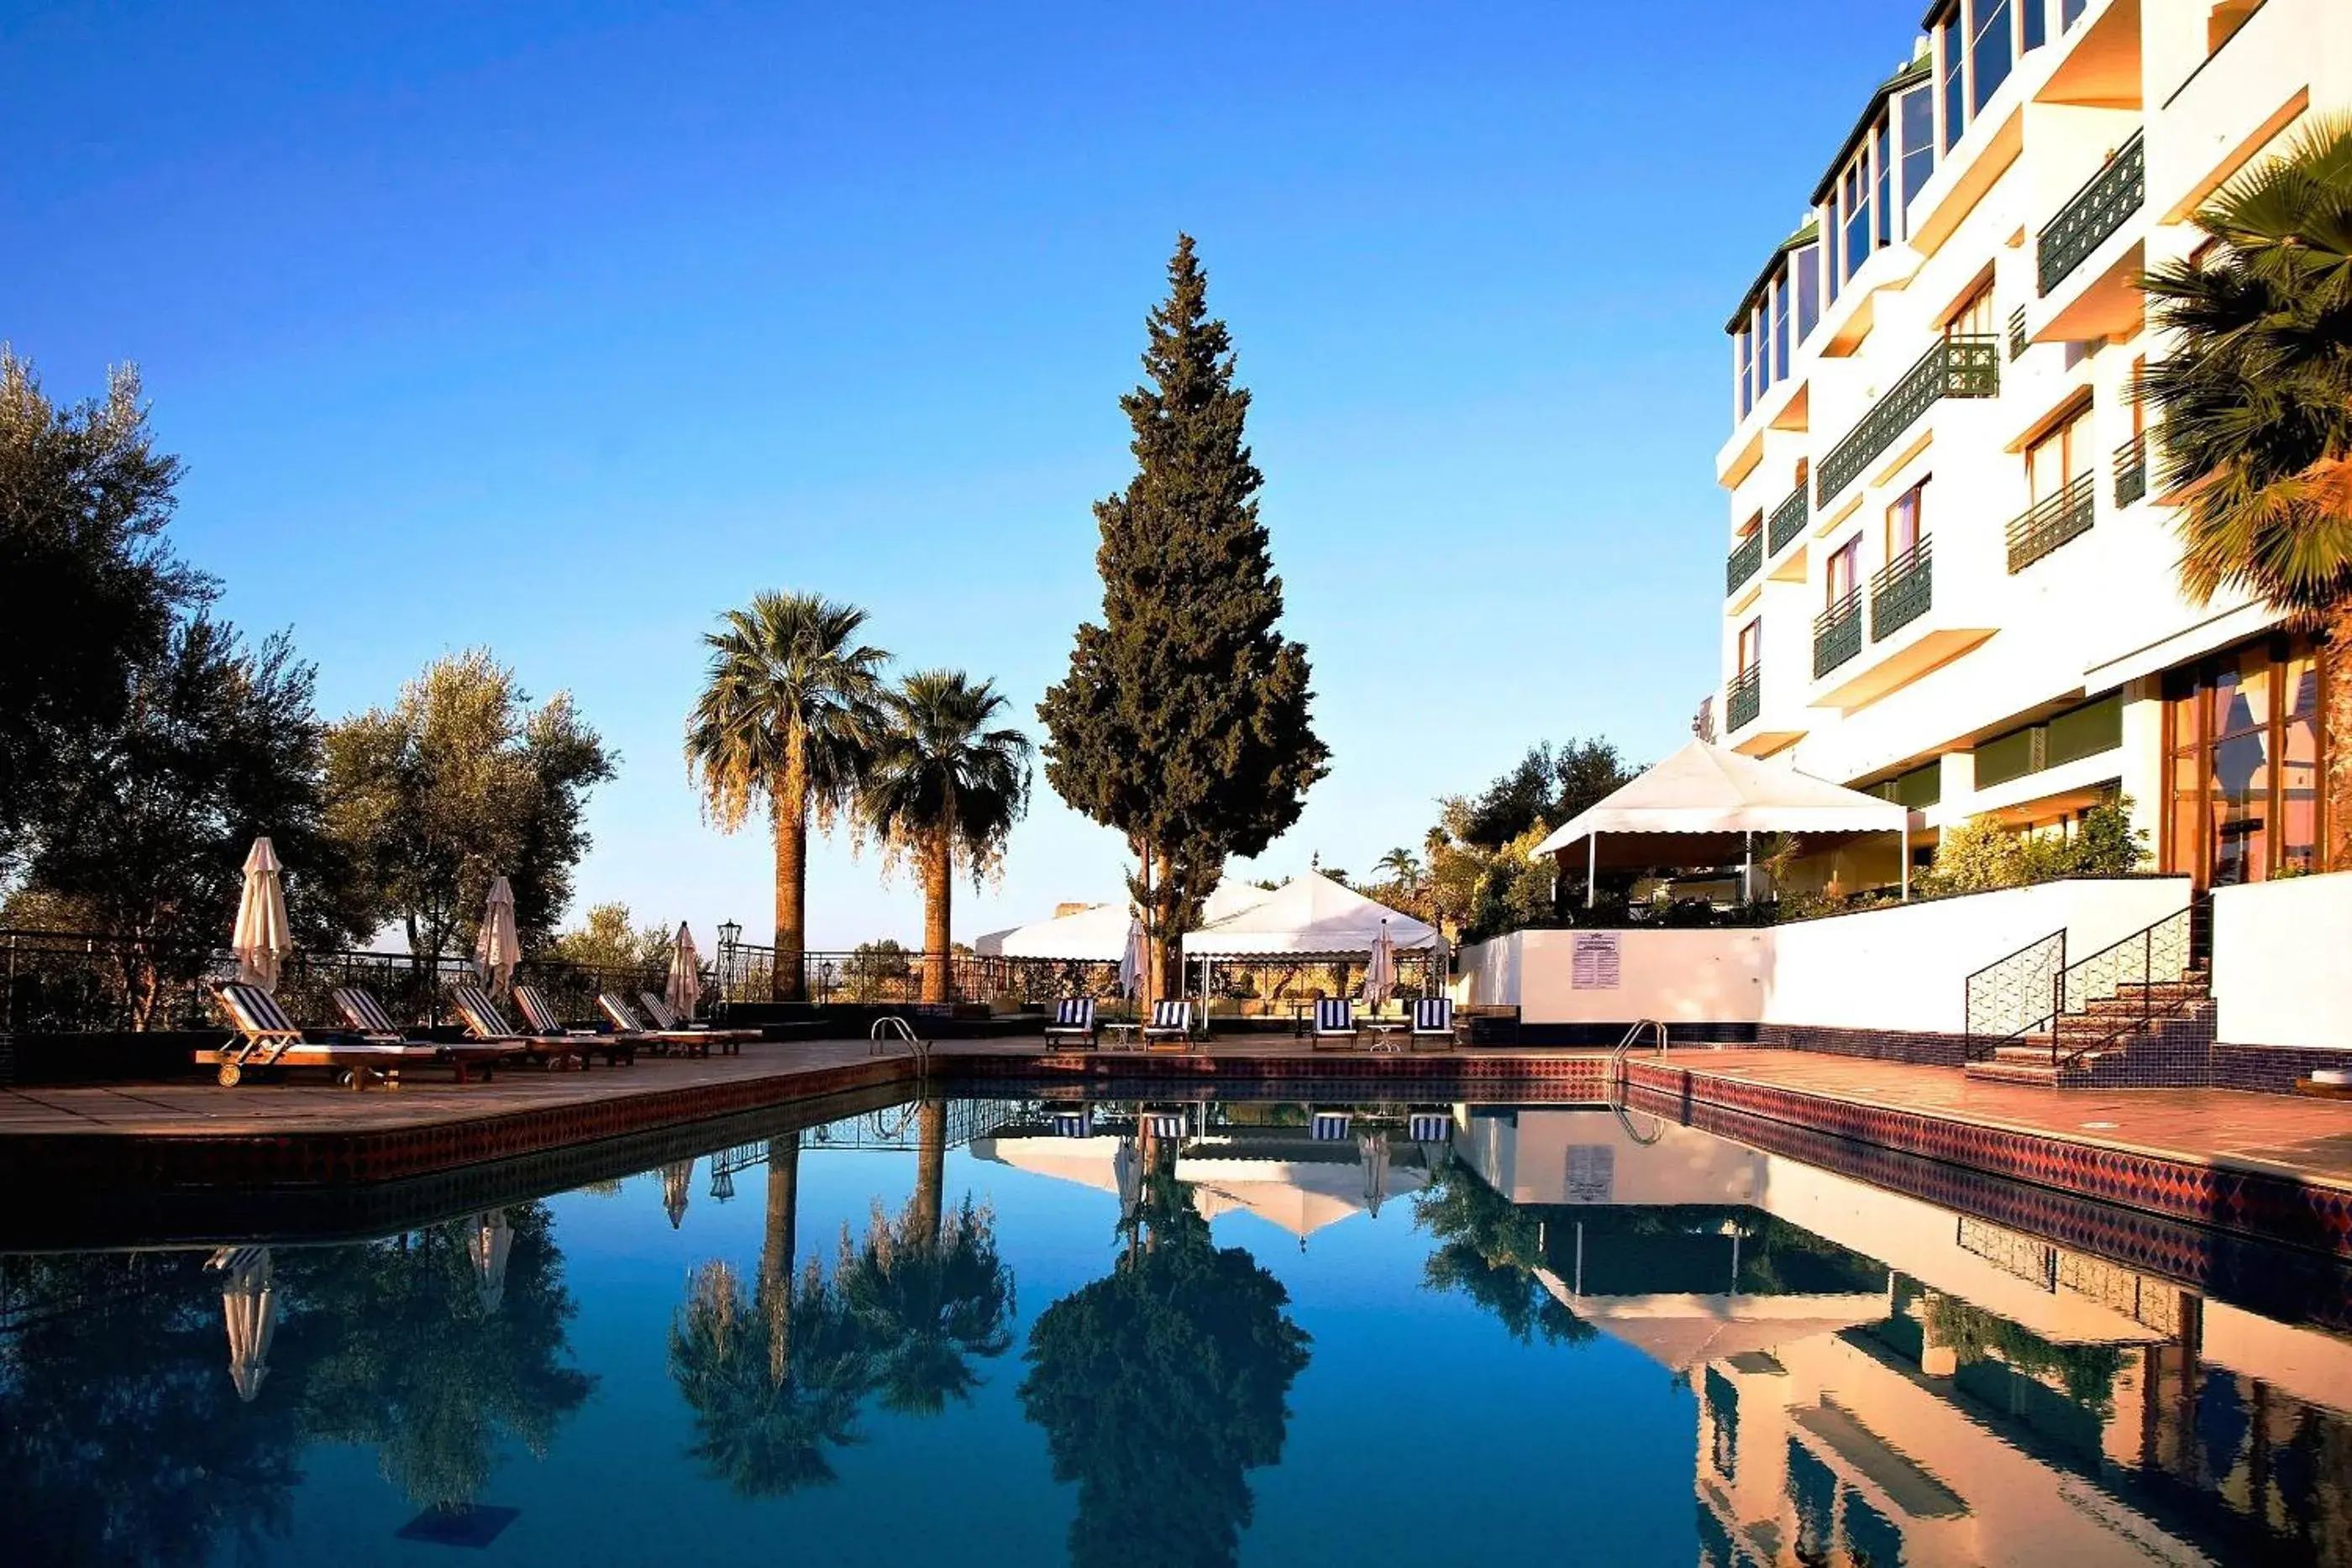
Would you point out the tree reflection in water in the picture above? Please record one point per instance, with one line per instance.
(1160, 1387)
(773, 1376)
(930, 1298)
(1488, 1250)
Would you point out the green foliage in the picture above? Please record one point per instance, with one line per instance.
(607, 939)
(876, 969)
(928, 1306)
(1981, 854)
(459, 782)
(1158, 1389)
(1549, 786)
(772, 1376)
(89, 593)
(2087, 1372)
(1488, 1251)
(1183, 722)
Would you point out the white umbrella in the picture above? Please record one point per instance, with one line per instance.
(685, 989)
(1380, 973)
(497, 950)
(250, 1307)
(1372, 1151)
(677, 1182)
(1132, 964)
(261, 940)
(1127, 1170)
(488, 1242)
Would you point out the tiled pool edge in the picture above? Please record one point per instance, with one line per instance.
(2307, 1213)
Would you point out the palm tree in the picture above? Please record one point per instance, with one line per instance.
(789, 714)
(943, 784)
(2254, 410)
(1401, 865)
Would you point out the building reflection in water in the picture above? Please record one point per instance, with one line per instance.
(1881, 1381)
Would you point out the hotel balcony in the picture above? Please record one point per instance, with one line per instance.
(1882, 638)
(2052, 521)
(1744, 562)
(1787, 523)
(1743, 700)
(2087, 255)
(2226, 105)
(2131, 472)
(1837, 635)
(1963, 365)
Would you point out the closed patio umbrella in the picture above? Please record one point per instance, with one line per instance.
(1131, 960)
(497, 950)
(1380, 971)
(678, 1180)
(249, 1306)
(261, 940)
(684, 991)
(1372, 1153)
(1127, 1168)
(488, 1242)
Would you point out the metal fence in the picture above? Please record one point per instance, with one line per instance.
(74, 983)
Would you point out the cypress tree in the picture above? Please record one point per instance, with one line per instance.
(1183, 722)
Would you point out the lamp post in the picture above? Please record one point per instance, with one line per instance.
(729, 931)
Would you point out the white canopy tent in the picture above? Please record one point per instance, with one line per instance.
(1309, 915)
(1095, 936)
(1704, 801)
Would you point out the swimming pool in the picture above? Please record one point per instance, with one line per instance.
(1013, 1331)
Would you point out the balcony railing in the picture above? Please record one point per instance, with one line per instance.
(2051, 522)
(1963, 365)
(2096, 211)
(1901, 591)
(1837, 634)
(2131, 471)
(1744, 698)
(2017, 332)
(1788, 520)
(1745, 562)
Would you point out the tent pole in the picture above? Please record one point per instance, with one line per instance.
(1747, 871)
(1592, 869)
(1907, 857)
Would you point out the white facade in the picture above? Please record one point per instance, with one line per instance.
(2016, 614)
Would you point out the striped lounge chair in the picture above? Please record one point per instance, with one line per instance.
(666, 1019)
(661, 1042)
(1328, 1126)
(542, 1022)
(265, 1036)
(484, 1021)
(1433, 1019)
(1335, 1019)
(374, 1026)
(1074, 1018)
(1171, 1022)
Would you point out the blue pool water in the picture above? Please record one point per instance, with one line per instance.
(1217, 1332)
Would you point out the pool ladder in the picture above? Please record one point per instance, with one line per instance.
(895, 1030)
(1652, 1026)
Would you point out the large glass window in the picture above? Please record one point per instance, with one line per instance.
(2059, 457)
(2244, 761)
(1955, 77)
(1829, 244)
(1917, 112)
(1807, 264)
(2034, 17)
(1781, 326)
(2071, 12)
(1746, 370)
(1907, 519)
(1882, 146)
(1854, 202)
(1844, 576)
(1990, 52)
(1751, 645)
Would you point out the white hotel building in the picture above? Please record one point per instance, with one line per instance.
(1951, 574)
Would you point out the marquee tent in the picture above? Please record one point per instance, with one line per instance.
(1310, 915)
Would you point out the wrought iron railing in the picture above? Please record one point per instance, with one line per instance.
(2017, 332)
(1965, 364)
(78, 982)
(2122, 989)
(2131, 471)
(2092, 213)
(1788, 520)
(1744, 698)
(1902, 590)
(1744, 562)
(2011, 995)
(2051, 522)
(1837, 634)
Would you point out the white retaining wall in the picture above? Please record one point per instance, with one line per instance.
(1901, 968)
(2282, 962)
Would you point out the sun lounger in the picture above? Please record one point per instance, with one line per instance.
(666, 1019)
(542, 1022)
(1171, 1022)
(267, 1037)
(1074, 1018)
(374, 1026)
(1433, 1019)
(691, 1041)
(485, 1022)
(1335, 1020)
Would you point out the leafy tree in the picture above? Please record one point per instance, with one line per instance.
(1549, 787)
(1160, 1389)
(1183, 722)
(2254, 409)
(149, 826)
(941, 784)
(789, 714)
(773, 1378)
(89, 593)
(608, 939)
(1488, 1251)
(932, 1296)
(461, 781)
(875, 970)
(1982, 853)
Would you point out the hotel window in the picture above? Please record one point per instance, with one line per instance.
(1916, 109)
(1956, 77)
(1881, 145)
(1809, 290)
(2059, 457)
(1830, 244)
(2071, 12)
(2034, 19)
(1907, 520)
(1844, 578)
(1854, 202)
(1752, 645)
(1990, 50)
(1747, 368)
(1781, 326)
(1972, 317)
(2243, 764)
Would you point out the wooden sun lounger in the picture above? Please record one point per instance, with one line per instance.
(545, 1023)
(485, 1022)
(374, 1026)
(689, 1041)
(665, 1018)
(267, 1037)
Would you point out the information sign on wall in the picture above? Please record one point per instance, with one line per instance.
(1593, 961)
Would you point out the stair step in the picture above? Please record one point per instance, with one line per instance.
(2043, 1075)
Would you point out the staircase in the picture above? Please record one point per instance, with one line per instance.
(2136, 1014)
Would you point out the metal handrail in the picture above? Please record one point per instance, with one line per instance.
(1998, 973)
(893, 1030)
(2146, 941)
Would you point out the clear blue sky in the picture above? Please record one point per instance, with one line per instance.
(561, 327)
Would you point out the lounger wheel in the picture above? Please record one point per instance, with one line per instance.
(229, 1073)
